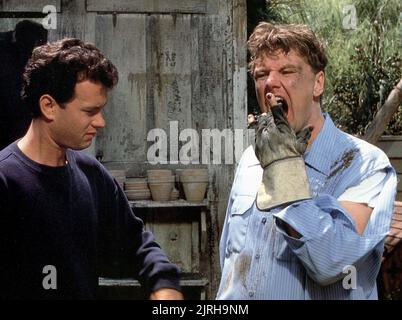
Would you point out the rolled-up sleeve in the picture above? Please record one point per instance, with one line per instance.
(329, 241)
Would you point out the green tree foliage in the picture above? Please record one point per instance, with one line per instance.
(363, 42)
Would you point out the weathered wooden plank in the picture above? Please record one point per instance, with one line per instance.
(397, 164)
(212, 75)
(195, 246)
(396, 224)
(171, 71)
(28, 5)
(173, 65)
(197, 105)
(166, 204)
(398, 208)
(392, 146)
(390, 138)
(151, 6)
(151, 27)
(203, 233)
(218, 94)
(391, 242)
(395, 233)
(173, 232)
(129, 282)
(73, 23)
(239, 75)
(122, 39)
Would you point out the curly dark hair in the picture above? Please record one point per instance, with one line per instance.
(268, 38)
(55, 68)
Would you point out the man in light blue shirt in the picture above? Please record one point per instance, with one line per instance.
(311, 222)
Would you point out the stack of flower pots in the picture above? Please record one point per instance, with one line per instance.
(137, 189)
(161, 183)
(194, 182)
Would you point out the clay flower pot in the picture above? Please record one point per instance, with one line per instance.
(161, 188)
(194, 182)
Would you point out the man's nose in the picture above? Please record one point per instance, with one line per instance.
(272, 81)
(99, 121)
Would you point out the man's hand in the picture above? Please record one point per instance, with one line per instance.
(166, 294)
(280, 151)
(276, 140)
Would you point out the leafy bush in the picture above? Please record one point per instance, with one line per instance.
(364, 62)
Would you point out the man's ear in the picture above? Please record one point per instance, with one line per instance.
(47, 106)
(319, 84)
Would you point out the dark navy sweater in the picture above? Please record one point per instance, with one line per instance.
(77, 219)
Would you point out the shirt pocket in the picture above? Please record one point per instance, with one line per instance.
(238, 223)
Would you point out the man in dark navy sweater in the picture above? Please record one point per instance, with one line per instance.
(64, 221)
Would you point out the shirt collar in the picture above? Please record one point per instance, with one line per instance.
(320, 154)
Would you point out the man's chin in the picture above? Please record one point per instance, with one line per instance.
(82, 146)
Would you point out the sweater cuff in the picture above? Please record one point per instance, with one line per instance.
(166, 282)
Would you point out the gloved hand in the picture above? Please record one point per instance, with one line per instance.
(280, 151)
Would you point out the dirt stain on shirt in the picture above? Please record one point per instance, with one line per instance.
(242, 267)
(343, 163)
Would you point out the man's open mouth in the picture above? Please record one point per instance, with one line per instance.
(282, 102)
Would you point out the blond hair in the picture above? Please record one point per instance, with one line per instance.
(269, 39)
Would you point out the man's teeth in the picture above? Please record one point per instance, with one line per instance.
(284, 104)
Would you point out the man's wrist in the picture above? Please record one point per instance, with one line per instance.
(284, 181)
(166, 294)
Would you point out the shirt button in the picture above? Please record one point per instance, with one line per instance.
(251, 294)
(264, 220)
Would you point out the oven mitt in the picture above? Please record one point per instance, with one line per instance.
(279, 150)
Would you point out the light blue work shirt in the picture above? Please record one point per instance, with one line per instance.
(331, 260)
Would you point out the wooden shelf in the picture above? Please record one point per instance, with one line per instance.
(129, 282)
(167, 204)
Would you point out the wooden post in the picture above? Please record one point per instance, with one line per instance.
(384, 115)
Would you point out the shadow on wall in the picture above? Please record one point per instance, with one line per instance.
(16, 47)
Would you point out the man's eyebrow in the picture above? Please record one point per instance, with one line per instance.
(95, 106)
(92, 107)
(286, 66)
(290, 66)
